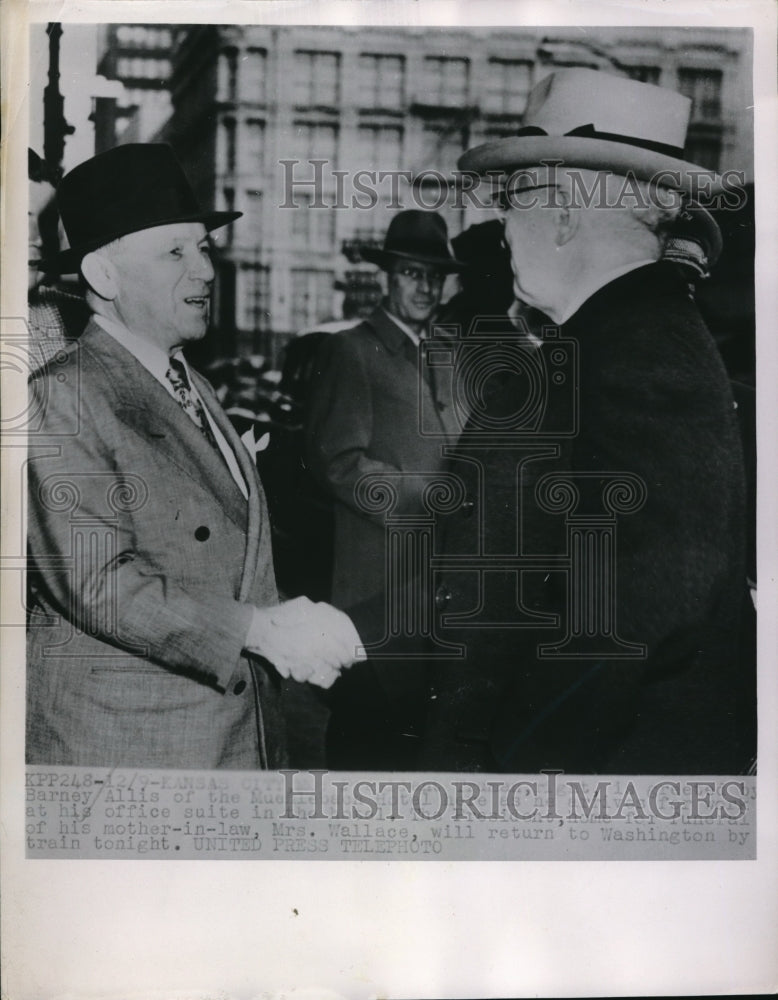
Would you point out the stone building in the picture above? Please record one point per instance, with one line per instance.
(278, 122)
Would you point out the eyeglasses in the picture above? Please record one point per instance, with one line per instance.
(417, 275)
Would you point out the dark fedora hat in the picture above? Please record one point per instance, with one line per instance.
(415, 235)
(122, 191)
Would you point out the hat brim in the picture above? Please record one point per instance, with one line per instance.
(516, 152)
(69, 261)
(383, 258)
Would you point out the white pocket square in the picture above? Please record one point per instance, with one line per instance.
(252, 446)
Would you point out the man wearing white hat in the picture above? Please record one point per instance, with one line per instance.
(595, 183)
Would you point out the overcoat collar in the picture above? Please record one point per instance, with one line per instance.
(388, 332)
(658, 279)
(397, 342)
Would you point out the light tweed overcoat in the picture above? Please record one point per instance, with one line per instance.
(146, 560)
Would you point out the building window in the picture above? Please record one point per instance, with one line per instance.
(223, 237)
(443, 144)
(253, 298)
(227, 158)
(142, 37)
(316, 79)
(312, 228)
(311, 297)
(145, 97)
(703, 86)
(249, 227)
(254, 76)
(228, 75)
(253, 147)
(508, 85)
(381, 81)
(142, 69)
(446, 81)
(379, 147)
(703, 147)
(644, 74)
(316, 141)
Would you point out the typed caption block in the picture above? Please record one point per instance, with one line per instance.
(124, 813)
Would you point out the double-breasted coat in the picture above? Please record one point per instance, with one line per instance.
(147, 561)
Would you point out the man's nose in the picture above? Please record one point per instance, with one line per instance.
(202, 267)
(427, 282)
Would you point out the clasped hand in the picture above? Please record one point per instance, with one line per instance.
(305, 640)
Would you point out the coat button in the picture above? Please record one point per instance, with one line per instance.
(239, 688)
(202, 534)
(468, 506)
(442, 597)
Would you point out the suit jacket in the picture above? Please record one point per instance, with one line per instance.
(653, 401)
(366, 412)
(148, 560)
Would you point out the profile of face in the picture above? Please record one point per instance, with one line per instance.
(162, 283)
(530, 229)
(414, 291)
(39, 211)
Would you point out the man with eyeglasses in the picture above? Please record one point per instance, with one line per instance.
(644, 670)
(363, 419)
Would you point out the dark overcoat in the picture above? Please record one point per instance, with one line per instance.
(668, 691)
(372, 413)
(148, 560)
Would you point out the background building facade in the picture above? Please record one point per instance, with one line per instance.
(278, 121)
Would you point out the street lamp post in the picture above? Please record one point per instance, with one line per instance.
(55, 127)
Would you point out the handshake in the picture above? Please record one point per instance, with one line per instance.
(305, 641)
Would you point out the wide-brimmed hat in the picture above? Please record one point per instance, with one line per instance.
(415, 235)
(591, 119)
(122, 191)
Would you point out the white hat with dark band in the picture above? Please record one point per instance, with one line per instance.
(594, 120)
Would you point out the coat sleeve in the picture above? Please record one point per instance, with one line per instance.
(340, 430)
(89, 565)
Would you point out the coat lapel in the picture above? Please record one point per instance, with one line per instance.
(398, 343)
(143, 404)
(250, 475)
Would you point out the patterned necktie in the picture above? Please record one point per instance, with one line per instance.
(191, 405)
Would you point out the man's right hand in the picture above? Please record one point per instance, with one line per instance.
(306, 641)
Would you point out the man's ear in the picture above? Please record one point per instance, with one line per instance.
(568, 219)
(101, 274)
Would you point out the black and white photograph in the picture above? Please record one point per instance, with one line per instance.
(382, 484)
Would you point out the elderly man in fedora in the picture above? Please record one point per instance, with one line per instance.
(642, 672)
(156, 638)
(364, 418)
(609, 639)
